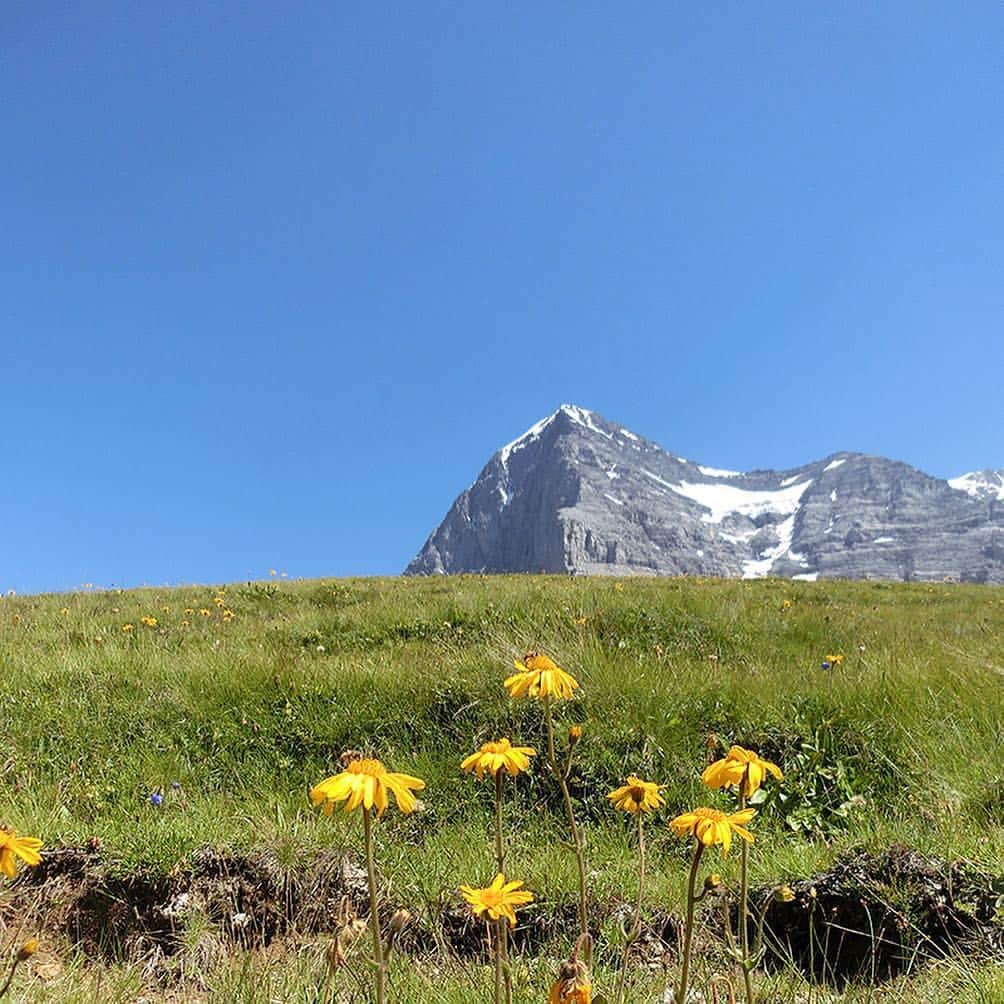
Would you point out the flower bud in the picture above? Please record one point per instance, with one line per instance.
(573, 985)
(574, 734)
(712, 882)
(28, 949)
(352, 931)
(348, 934)
(399, 919)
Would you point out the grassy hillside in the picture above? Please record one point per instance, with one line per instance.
(231, 702)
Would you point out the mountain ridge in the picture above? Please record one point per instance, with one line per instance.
(579, 494)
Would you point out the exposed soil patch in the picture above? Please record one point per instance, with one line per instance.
(870, 917)
(108, 916)
(874, 916)
(244, 900)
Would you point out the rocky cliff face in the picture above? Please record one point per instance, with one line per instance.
(578, 494)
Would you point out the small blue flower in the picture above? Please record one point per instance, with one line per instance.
(826, 665)
(156, 798)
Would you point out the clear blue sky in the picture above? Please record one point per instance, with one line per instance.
(277, 279)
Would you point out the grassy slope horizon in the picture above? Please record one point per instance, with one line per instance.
(900, 743)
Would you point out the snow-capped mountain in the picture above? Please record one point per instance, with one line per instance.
(578, 494)
(981, 484)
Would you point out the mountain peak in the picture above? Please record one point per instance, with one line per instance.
(565, 418)
(576, 493)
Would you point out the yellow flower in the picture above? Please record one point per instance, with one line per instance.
(739, 763)
(11, 846)
(366, 783)
(498, 900)
(64, 611)
(574, 734)
(189, 611)
(786, 604)
(206, 612)
(149, 621)
(637, 796)
(228, 615)
(27, 950)
(710, 826)
(493, 757)
(127, 627)
(538, 676)
(835, 660)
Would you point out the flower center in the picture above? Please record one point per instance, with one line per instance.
(715, 815)
(374, 768)
(637, 793)
(502, 746)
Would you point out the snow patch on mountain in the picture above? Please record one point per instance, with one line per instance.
(725, 500)
(658, 480)
(758, 568)
(980, 484)
(716, 472)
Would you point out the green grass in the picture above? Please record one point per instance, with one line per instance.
(900, 743)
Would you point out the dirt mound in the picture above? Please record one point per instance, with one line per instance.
(108, 916)
(870, 917)
(246, 900)
(874, 916)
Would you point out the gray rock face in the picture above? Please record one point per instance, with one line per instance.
(578, 494)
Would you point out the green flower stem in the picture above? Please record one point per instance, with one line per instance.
(688, 933)
(374, 913)
(562, 778)
(632, 936)
(496, 952)
(744, 896)
(502, 949)
(499, 844)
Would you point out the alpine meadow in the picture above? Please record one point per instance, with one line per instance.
(543, 777)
